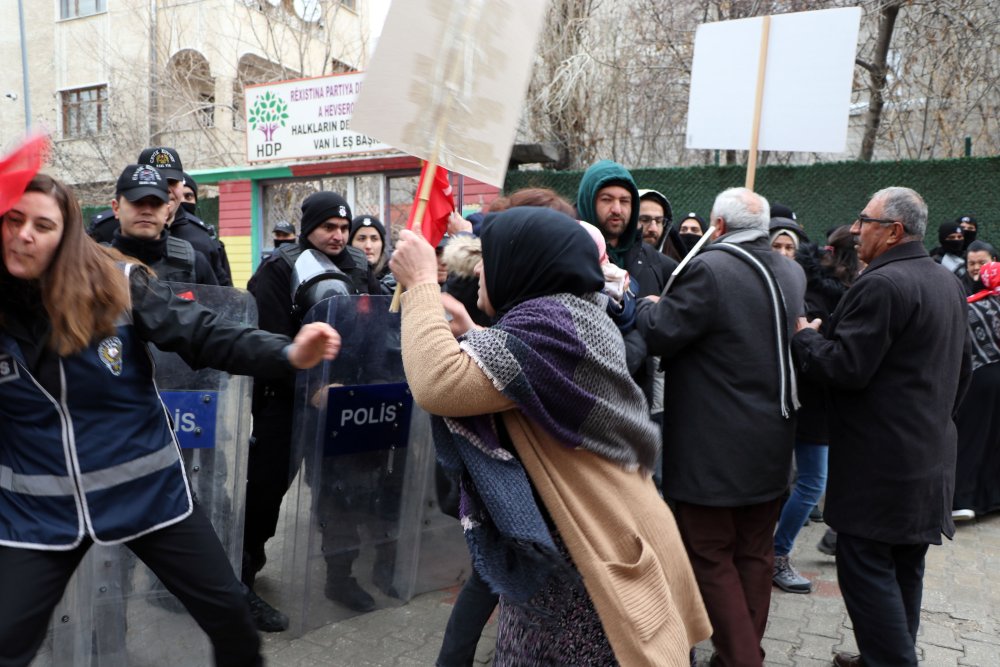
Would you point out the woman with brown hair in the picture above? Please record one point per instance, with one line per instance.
(87, 453)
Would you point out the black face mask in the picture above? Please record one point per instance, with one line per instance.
(689, 241)
(280, 242)
(968, 236)
(953, 246)
(189, 206)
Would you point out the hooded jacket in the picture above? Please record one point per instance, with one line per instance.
(648, 267)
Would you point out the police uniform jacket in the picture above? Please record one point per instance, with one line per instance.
(171, 258)
(86, 448)
(895, 360)
(271, 286)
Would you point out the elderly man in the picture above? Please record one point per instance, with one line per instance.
(895, 360)
(723, 332)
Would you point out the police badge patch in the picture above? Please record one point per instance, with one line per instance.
(8, 368)
(110, 352)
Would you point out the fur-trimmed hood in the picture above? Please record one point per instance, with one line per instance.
(462, 254)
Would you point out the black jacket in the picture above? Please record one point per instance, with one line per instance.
(726, 443)
(823, 293)
(272, 290)
(171, 261)
(896, 361)
(104, 225)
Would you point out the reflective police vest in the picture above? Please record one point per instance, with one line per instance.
(100, 459)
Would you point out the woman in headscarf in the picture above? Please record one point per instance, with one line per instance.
(368, 236)
(89, 452)
(539, 419)
(977, 470)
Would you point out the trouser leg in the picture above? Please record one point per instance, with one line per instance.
(31, 584)
(710, 536)
(754, 559)
(473, 608)
(879, 610)
(810, 482)
(188, 558)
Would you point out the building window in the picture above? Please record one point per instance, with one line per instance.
(83, 111)
(70, 9)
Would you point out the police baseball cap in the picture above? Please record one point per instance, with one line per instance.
(165, 159)
(140, 180)
(284, 227)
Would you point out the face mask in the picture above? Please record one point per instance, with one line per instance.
(280, 242)
(953, 247)
(689, 241)
(189, 206)
(968, 236)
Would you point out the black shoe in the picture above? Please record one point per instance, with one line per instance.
(816, 514)
(265, 617)
(847, 660)
(349, 593)
(828, 543)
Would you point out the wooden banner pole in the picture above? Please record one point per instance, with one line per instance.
(418, 218)
(758, 103)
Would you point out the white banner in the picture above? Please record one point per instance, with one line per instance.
(807, 84)
(305, 118)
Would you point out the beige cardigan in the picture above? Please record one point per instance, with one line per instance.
(621, 535)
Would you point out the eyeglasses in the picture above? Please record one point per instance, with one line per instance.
(862, 218)
(646, 219)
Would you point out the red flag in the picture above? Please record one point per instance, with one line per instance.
(440, 205)
(19, 167)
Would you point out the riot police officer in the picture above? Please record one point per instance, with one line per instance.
(322, 252)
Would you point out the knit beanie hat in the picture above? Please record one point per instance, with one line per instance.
(367, 221)
(319, 207)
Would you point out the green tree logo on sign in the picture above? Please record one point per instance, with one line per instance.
(268, 113)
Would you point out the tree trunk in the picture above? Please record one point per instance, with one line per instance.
(877, 72)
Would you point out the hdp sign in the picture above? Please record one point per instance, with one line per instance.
(367, 418)
(193, 414)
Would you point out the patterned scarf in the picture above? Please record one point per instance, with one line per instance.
(562, 361)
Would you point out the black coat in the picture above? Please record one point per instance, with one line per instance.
(649, 267)
(726, 443)
(895, 360)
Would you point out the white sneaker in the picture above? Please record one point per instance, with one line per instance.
(963, 515)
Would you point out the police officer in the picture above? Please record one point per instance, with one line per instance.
(141, 205)
(326, 222)
(283, 232)
(180, 222)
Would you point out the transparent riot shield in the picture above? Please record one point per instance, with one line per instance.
(115, 612)
(362, 528)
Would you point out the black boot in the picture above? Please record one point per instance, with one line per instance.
(265, 617)
(348, 592)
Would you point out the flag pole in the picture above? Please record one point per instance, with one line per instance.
(758, 103)
(418, 218)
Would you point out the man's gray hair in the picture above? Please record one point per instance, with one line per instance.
(742, 209)
(905, 205)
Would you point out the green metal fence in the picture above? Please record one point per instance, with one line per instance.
(822, 195)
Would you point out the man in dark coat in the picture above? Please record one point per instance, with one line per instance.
(723, 333)
(895, 360)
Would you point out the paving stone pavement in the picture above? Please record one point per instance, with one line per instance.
(960, 621)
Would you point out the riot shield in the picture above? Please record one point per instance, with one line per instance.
(115, 612)
(362, 527)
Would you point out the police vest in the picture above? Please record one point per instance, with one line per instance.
(177, 264)
(100, 459)
(290, 252)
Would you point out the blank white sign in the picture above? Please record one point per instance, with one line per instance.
(807, 85)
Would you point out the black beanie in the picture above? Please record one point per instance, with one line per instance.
(366, 221)
(319, 207)
(191, 183)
